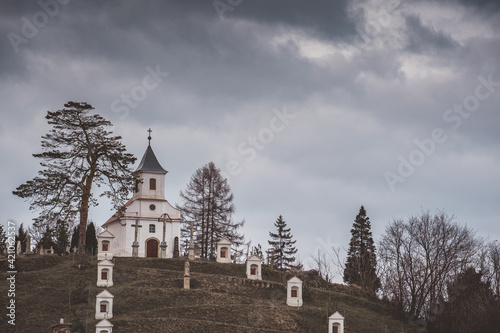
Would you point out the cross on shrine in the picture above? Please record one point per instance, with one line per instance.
(136, 226)
(164, 218)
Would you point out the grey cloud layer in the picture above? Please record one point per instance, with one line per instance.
(359, 103)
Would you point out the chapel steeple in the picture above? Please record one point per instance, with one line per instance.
(151, 175)
(149, 162)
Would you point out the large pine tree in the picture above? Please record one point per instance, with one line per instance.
(208, 205)
(283, 249)
(78, 153)
(361, 264)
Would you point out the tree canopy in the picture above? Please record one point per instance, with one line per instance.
(208, 205)
(419, 256)
(78, 152)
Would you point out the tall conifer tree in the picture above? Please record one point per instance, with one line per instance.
(91, 239)
(283, 249)
(61, 236)
(22, 236)
(75, 238)
(208, 205)
(361, 264)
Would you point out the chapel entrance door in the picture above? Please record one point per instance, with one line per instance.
(152, 248)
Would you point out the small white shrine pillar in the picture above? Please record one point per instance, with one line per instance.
(105, 245)
(104, 305)
(104, 326)
(254, 264)
(191, 253)
(187, 276)
(336, 323)
(105, 273)
(224, 251)
(28, 244)
(294, 292)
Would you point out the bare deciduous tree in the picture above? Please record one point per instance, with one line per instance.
(208, 204)
(419, 256)
(490, 265)
(324, 266)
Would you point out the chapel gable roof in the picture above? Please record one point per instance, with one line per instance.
(105, 262)
(105, 234)
(295, 280)
(105, 294)
(254, 258)
(224, 241)
(117, 215)
(336, 315)
(104, 323)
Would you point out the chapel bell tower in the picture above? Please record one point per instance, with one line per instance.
(150, 176)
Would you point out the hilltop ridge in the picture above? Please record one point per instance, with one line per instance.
(148, 297)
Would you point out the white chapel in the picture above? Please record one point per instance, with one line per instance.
(149, 226)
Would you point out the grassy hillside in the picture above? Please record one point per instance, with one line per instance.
(149, 298)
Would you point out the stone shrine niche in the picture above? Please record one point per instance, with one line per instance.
(254, 266)
(224, 251)
(104, 305)
(62, 327)
(294, 292)
(336, 323)
(104, 245)
(105, 273)
(104, 326)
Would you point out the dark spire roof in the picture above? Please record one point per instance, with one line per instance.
(150, 163)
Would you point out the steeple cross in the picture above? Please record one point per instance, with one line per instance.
(149, 136)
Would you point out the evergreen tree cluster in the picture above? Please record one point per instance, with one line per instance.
(59, 238)
(471, 306)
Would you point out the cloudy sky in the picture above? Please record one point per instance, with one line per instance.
(311, 109)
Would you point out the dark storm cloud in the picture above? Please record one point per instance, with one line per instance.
(329, 19)
(484, 6)
(425, 39)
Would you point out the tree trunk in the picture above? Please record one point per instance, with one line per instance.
(84, 214)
